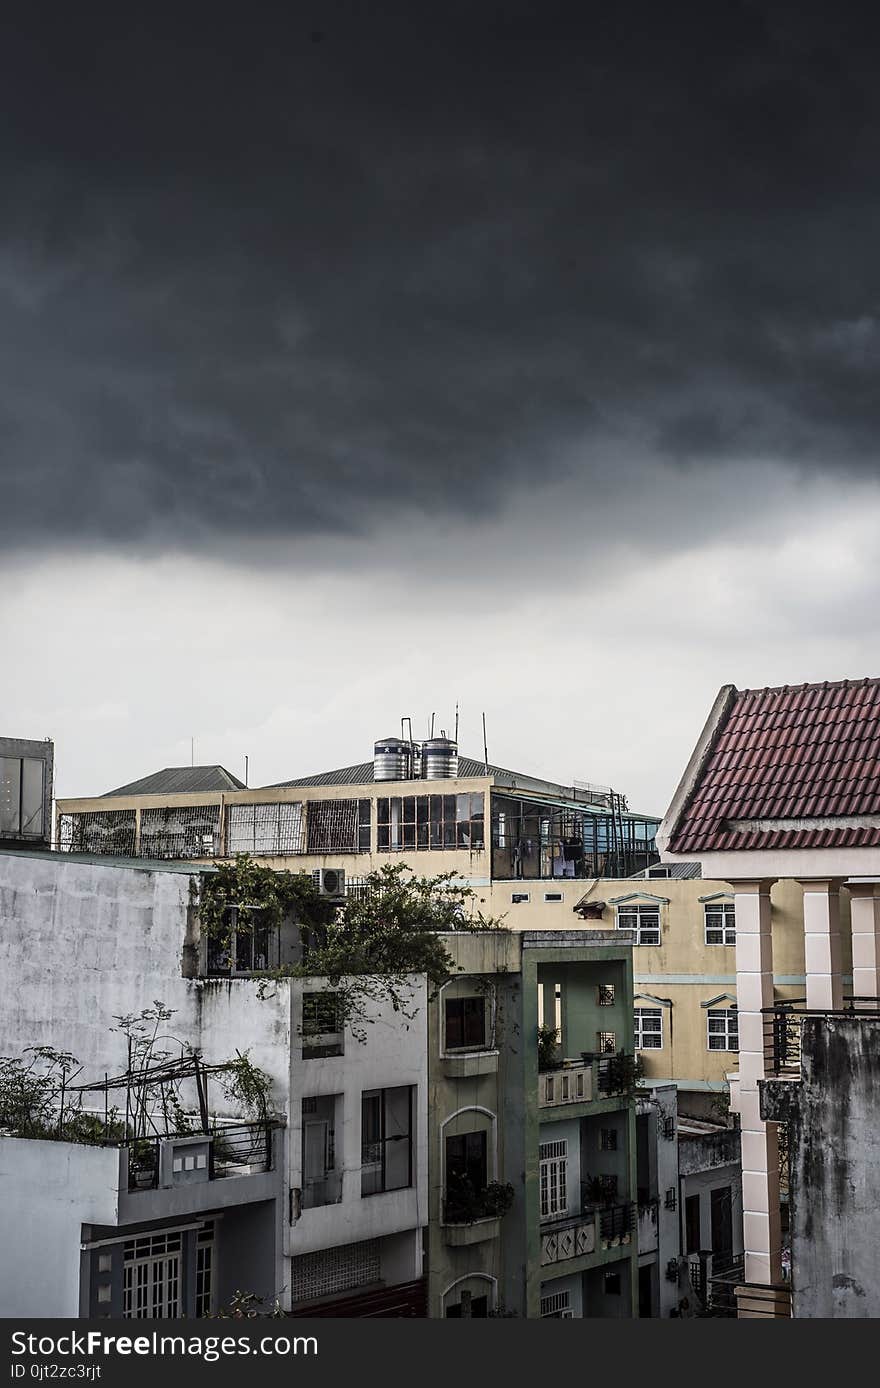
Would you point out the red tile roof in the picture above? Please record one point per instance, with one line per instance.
(807, 752)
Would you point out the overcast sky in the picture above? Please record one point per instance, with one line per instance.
(370, 358)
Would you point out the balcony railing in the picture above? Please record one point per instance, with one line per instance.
(572, 1082)
(783, 1023)
(235, 1149)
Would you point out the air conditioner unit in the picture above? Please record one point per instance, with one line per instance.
(330, 881)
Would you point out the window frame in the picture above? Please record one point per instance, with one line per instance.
(553, 1178)
(727, 931)
(726, 1032)
(638, 909)
(639, 1031)
(465, 1045)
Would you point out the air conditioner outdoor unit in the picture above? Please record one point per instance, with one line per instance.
(330, 881)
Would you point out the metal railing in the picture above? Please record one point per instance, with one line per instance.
(237, 1149)
(617, 1221)
(783, 1024)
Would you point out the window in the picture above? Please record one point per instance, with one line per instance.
(322, 1033)
(517, 897)
(606, 994)
(557, 1306)
(659, 872)
(429, 821)
(607, 1042)
(183, 831)
(248, 944)
(338, 826)
(321, 1183)
(552, 1178)
(151, 1277)
(467, 1175)
(607, 1139)
(469, 1307)
(386, 1140)
(692, 1224)
(275, 829)
(554, 896)
(612, 1284)
(649, 1028)
(205, 1262)
(644, 920)
(720, 923)
(21, 797)
(722, 1026)
(465, 1023)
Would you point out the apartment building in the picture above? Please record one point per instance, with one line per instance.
(532, 1154)
(783, 786)
(322, 1206)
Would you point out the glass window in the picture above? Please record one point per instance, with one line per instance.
(720, 919)
(649, 1028)
(722, 1028)
(465, 1023)
(386, 1139)
(643, 919)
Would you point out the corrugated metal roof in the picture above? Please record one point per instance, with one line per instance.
(181, 780)
(362, 774)
(809, 752)
(681, 872)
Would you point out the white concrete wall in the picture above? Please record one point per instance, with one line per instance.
(394, 1053)
(49, 1189)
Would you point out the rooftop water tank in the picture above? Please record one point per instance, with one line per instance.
(439, 759)
(392, 759)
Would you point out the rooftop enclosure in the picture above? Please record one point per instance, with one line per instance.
(488, 824)
(26, 769)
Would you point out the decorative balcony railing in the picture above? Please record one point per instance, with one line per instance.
(783, 1024)
(572, 1082)
(593, 1230)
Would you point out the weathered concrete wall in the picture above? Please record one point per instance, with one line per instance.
(835, 1157)
(49, 1190)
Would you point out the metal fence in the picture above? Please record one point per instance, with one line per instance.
(783, 1025)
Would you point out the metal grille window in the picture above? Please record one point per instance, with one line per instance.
(205, 1271)
(465, 1020)
(606, 994)
(720, 919)
(109, 832)
(557, 1306)
(274, 830)
(553, 1178)
(322, 1030)
(183, 831)
(386, 1140)
(151, 1277)
(606, 1042)
(722, 1028)
(21, 797)
(644, 920)
(429, 822)
(649, 1028)
(338, 826)
(607, 1139)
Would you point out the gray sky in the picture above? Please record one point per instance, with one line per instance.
(525, 356)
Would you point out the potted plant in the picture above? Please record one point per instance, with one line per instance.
(548, 1039)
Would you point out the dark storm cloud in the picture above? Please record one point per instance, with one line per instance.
(301, 276)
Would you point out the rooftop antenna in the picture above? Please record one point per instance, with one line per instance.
(456, 722)
(246, 770)
(431, 732)
(192, 751)
(485, 747)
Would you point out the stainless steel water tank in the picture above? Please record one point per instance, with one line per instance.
(392, 760)
(439, 759)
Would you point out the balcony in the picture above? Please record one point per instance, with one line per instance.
(783, 1024)
(572, 1082)
(594, 1076)
(594, 1230)
(473, 1216)
(236, 1149)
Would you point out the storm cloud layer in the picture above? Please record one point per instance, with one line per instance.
(312, 275)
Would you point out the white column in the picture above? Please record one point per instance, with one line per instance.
(865, 916)
(822, 953)
(760, 1157)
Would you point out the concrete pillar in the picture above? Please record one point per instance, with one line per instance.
(822, 953)
(865, 916)
(762, 1234)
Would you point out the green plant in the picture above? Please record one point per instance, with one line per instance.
(465, 1204)
(247, 1306)
(548, 1041)
(371, 946)
(247, 1085)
